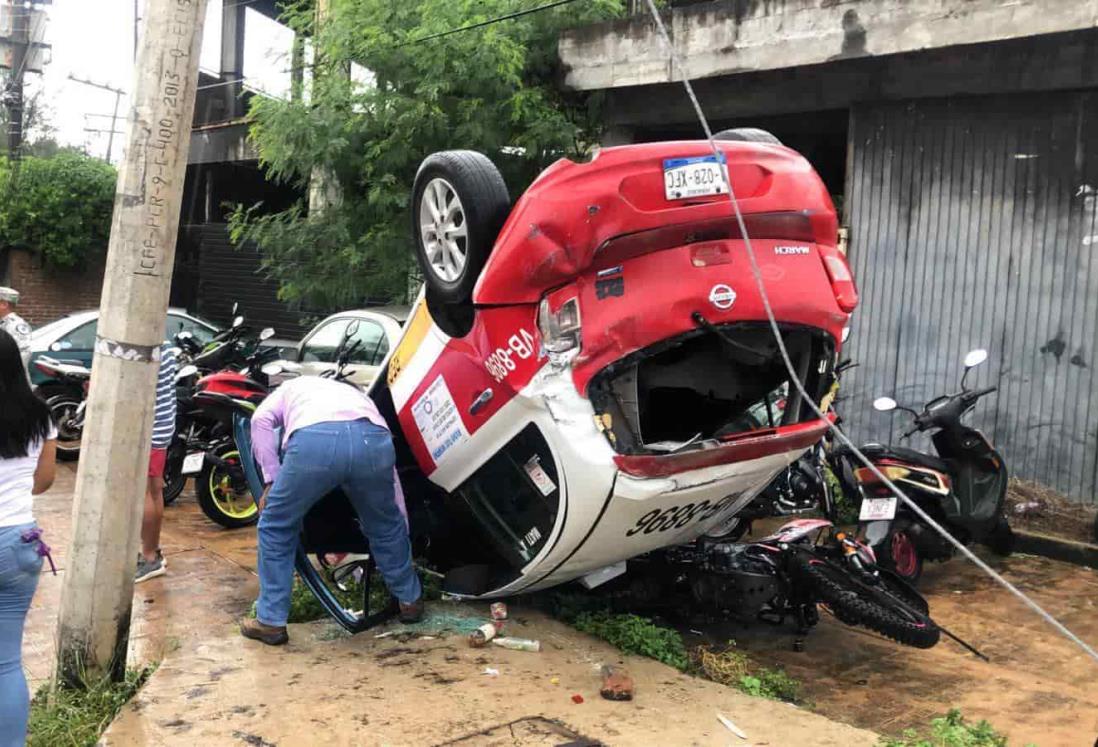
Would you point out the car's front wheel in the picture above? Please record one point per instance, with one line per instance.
(459, 204)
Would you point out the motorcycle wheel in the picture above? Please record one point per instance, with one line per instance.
(899, 554)
(62, 409)
(883, 609)
(174, 479)
(219, 500)
(1001, 539)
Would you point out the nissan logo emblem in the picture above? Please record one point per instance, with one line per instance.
(722, 296)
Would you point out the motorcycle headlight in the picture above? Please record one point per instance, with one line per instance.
(560, 329)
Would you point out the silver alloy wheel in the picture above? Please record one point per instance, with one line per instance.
(443, 230)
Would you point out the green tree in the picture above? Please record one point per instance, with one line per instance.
(58, 207)
(494, 89)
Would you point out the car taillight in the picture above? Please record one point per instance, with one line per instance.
(842, 282)
(560, 329)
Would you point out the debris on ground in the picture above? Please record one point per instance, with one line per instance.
(731, 726)
(491, 672)
(617, 683)
(518, 644)
(498, 611)
(1041, 509)
(480, 637)
(577, 698)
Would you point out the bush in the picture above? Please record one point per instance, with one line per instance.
(950, 730)
(636, 635)
(58, 207)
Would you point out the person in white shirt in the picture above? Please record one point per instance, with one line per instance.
(28, 442)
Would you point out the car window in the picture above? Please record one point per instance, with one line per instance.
(82, 338)
(322, 343)
(177, 324)
(373, 344)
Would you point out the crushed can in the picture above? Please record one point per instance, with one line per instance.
(480, 637)
(498, 610)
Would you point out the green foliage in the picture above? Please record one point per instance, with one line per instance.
(950, 730)
(846, 508)
(58, 207)
(77, 716)
(493, 89)
(636, 635)
(732, 667)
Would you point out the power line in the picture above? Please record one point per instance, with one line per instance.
(488, 22)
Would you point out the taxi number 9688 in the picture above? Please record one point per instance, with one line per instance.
(677, 517)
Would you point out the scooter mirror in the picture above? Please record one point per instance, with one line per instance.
(975, 357)
(184, 335)
(236, 305)
(352, 330)
(237, 321)
(187, 371)
(267, 333)
(884, 404)
(846, 333)
(272, 369)
(56, 347)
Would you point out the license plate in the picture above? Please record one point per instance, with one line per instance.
(878, 509)
(192, 463)
(684, 178)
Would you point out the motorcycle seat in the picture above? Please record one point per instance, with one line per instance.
(880, 451)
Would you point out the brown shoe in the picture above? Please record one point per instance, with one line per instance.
(268, 634)
(411, 612)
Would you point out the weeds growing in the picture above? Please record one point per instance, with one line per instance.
(732, 667)
(634, 634)
(77, 716)
(950, 730)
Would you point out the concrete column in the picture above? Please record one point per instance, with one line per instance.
(232, 57)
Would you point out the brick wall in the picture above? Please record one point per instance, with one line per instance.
(47, 294)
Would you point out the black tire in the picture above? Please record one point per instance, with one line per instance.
(747, 135)
(899, 553)
(69, 439)
(219, 500)
(174, 479)
(881, 609)
(1001, 539)
(481, 209)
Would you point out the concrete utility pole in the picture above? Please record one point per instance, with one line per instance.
(97, 595)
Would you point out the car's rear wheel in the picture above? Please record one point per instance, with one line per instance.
(747, 135)
(459, 204)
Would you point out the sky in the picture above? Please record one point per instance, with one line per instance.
(93, 40)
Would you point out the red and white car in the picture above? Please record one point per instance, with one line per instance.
(589, 375)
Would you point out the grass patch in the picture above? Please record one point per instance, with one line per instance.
(950, 730)
(77, 716)
(634, 634)
(732, 667)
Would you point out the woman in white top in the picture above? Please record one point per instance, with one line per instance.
(28, 440)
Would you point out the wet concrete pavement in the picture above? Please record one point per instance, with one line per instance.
(210, 582)
(214, 688)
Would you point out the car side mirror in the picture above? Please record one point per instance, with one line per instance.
(237, 321)
(884, 404)
(267, 333)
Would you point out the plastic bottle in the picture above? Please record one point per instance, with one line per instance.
(518, 644)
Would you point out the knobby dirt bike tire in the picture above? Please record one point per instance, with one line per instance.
(874, 609)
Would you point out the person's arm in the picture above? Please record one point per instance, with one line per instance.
(268, 416)
(47, 467)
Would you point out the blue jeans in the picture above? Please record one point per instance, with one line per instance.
(20, 565)
(358, 457)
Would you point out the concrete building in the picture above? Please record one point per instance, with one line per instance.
(960, 140)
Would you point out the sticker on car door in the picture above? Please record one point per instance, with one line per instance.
(437, 418)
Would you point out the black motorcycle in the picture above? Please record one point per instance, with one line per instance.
(66, 396)
(963, 488)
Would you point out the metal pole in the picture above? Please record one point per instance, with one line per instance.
(14, 94)
(114, 119)
(97, 592)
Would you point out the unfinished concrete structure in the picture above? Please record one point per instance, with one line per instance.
(961, 139)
